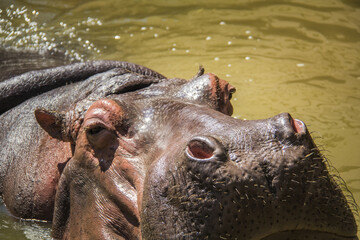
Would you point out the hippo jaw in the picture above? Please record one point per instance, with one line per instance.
(244, 180)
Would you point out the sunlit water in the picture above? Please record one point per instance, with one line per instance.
(301, 57)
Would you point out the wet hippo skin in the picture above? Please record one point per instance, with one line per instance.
(114, 150)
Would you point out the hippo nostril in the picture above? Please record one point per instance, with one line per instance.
(298, 126)
(288, 127)
(203, 148)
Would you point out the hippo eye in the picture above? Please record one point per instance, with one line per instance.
(95, 130)
(99, 136)
(205, 148)
(231, 92)
(199, 149)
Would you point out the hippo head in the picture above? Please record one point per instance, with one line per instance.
(168, 162)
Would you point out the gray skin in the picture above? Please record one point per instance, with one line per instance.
(132, 155)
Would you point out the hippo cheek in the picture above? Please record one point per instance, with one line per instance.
(183, 191)
(209, 192)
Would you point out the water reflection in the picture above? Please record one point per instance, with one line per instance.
(21, 28)
(12, 228)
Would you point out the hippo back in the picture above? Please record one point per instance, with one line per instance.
(17, 89)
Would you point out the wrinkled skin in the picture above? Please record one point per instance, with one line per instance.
(132, 155)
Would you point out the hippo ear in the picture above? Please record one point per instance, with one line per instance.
(210, 90)
(52, 122)
(199, 73)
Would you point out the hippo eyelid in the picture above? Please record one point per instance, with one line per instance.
(94, 130)
(95, 127)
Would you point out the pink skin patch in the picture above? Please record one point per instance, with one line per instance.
(298, 126)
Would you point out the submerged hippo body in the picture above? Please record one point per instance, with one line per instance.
(124, 153)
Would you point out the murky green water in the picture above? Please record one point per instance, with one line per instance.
(301, 57)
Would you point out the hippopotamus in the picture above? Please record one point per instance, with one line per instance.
(114, 150)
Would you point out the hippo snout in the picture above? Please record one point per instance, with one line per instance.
(247, 179)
